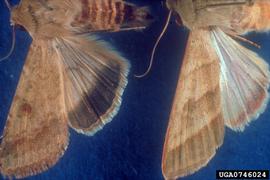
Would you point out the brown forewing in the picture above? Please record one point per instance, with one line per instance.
(196, 126)
(36, 133)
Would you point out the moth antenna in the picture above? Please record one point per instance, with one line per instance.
(8, 5)
(12, 46)
(156, 44)
(244, 40)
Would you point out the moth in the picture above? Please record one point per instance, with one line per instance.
(221, 82)
(70, 78)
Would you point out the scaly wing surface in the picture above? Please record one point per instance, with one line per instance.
(95, 77)
(36, 131)
(244, 81)
(196, 126)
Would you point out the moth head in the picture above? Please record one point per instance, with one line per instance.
(16, 16)
(22, 16)
(171, 4)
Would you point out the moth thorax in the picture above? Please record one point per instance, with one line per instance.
(22, 17)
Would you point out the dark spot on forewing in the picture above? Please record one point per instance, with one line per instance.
(26, 109)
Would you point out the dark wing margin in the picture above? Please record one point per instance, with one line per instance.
(95, 77)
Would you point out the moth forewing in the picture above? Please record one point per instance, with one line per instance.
(196, 126)
(36, 133)
(200, 109)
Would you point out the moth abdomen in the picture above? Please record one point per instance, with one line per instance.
(110, 15)
(253, 20)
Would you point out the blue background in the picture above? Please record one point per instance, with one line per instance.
(130, 147)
